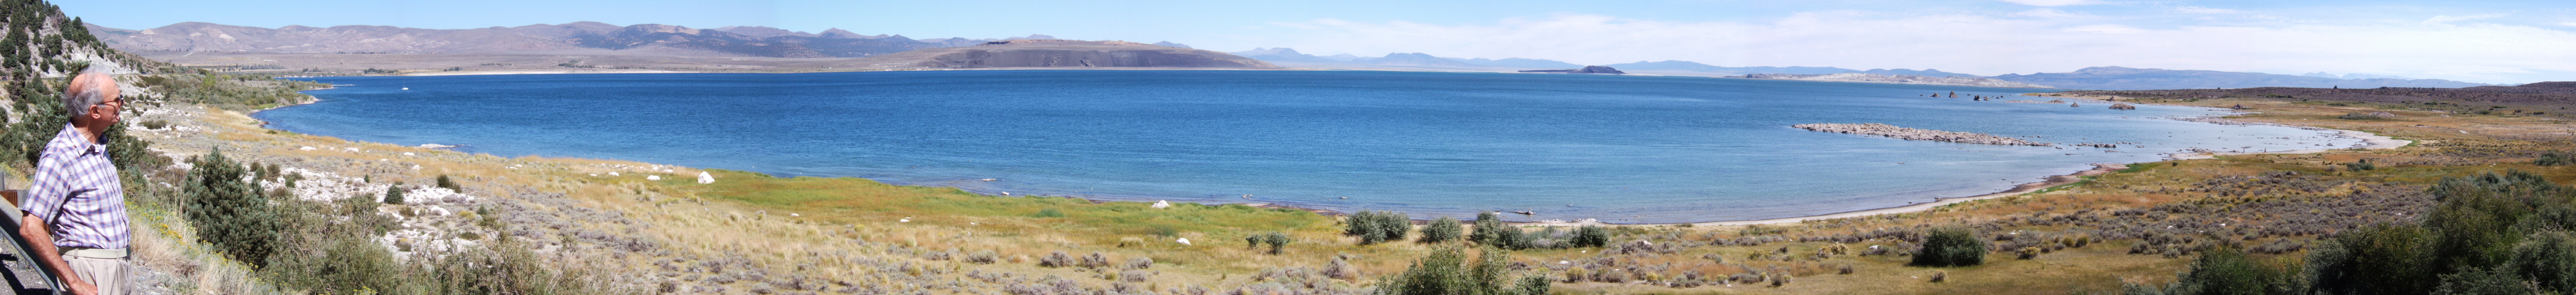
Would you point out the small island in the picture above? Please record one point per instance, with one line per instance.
(1584, 70)
(1916, 134)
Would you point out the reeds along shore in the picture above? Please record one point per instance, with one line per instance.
(1916, 134)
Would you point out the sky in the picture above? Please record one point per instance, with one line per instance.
(2509, 42)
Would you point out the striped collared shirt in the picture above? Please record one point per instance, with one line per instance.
(76, 191)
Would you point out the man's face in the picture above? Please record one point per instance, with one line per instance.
(106, 111)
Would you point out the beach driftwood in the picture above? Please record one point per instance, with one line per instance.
(1916, 134)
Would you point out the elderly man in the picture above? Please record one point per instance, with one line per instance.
(77, 202)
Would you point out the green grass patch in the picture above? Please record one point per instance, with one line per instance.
(860, 200)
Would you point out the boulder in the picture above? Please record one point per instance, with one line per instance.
(2123, 106)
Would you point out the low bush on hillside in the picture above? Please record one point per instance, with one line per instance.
(1447, 271)
(1441, 230)
(1377, 226)
(2490, 234)
(2554, 159)
(1951, 246)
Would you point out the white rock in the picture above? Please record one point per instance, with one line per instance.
(1162, 204)
(905, 219)
(305, 148)
(612, 173)
(407, 154)
(652, 177)
(1183, 241)
(704, 178)
(440, 211)
(351, 149)
(415, 167)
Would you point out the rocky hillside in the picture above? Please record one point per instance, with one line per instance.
(1900, 79)
(2122, 78)
(1061, 54)
(579, 37)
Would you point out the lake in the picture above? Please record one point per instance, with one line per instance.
(1623, 149)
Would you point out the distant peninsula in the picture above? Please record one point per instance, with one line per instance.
(1584, 70)
(1898, 79)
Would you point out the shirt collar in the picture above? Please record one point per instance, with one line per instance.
(86, 144)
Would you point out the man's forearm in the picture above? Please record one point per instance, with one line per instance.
(42, 239)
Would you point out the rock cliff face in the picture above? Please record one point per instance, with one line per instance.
(1899, 79)
(1584, 70)
(1061, 54)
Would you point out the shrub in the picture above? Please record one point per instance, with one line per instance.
(448, 184)
(983, 257)
(2554, 159)
(1277, 241)
(1374, 227)
(1951, 246)
(229, 213)
(1095, 260)
(394, 194)
(1138, 263)
(1441, 230)
(1938, 276)
(1490, 231)
(1591, 236)
(2388, 258)
(1447, 271)
(2549, 259)
(2484, 281)
(1057, 259)
(2362, 165)
(1252, 241)
(1340, 269)
(2027, 253)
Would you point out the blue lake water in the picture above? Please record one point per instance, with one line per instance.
(1624, 149)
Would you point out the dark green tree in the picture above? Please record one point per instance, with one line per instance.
(1590, 236)
(394, 194)
(228, 212)
(1951, 246)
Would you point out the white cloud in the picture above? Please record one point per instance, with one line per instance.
(2205, 10)
(2105, 29)
(2571, 24)
(2049, 13)
(2053, 2)
(1968, 43)
(2441, 19)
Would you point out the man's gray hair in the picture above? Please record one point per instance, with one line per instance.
(82, 94)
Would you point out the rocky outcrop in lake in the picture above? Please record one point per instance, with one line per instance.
(1916, 134)
(2123, 106)
(1898, 79)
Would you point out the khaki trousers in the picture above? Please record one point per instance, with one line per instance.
(112, 276)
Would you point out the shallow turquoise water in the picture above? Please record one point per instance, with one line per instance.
(1622, 149)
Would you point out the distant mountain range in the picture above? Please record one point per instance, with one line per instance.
(2109, 78)
(570, 38)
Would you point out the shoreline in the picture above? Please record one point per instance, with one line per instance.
(2369, 141)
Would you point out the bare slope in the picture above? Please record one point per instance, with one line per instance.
(1061, 53)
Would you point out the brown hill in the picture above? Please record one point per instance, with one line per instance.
(576, 38)
(1062, 53)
